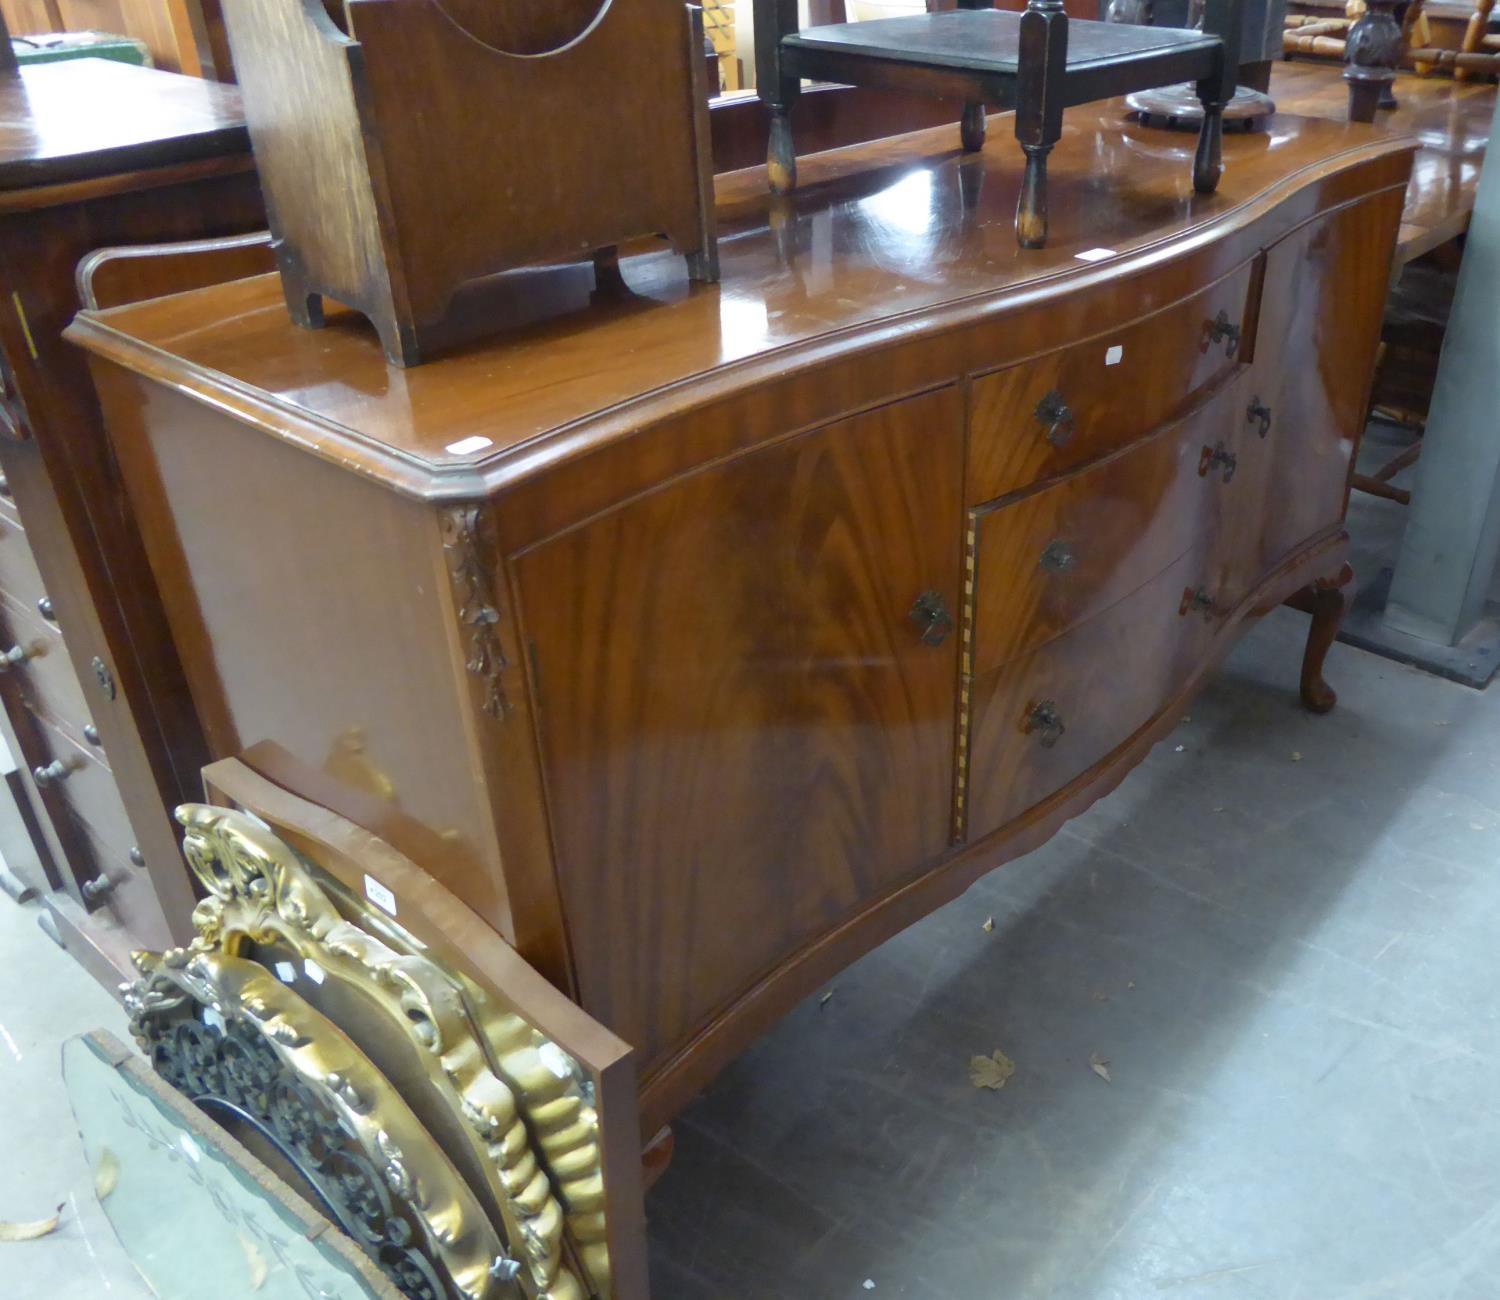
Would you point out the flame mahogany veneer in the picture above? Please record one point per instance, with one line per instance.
(699, 638)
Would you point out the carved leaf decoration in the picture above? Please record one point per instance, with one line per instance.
(992, 1071)
(30, 1231)
(107, 1174)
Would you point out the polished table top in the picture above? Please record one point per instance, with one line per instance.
(83, 118)
(879, 240)
(1450, 118)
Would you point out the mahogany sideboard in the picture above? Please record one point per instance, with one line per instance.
(698, 638)
(96, 710)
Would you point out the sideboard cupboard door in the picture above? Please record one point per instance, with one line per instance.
(745, 686)
(1312, 382)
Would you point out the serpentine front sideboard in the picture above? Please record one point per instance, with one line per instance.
(698, 638)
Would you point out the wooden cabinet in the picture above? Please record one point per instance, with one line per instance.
(704, 638)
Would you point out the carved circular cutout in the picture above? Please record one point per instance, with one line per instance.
(527, 27)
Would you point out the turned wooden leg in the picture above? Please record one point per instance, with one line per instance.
(971, 128)
(1372, 51)
(781, 155)
(1031, 209)
(1325, 601)
(1041, 66)
(1208, 158)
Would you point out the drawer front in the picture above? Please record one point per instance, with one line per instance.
(87, 788)
(1054, 558)
(46, 678)
(19, 577)
(1042, 417)
(1045, 719)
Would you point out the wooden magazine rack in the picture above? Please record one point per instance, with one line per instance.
(408, 147)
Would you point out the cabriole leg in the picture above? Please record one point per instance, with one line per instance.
(1325, 601)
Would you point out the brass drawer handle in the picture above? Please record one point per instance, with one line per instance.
(137, 858)
(1220, 330)
(930, 614)
(1259, 414)
(91, 734)
(17, 654)
(56, 770)
(1058, 556)
(1057, 415)
(1218, 454)
(1045, 718)
(1200, 600)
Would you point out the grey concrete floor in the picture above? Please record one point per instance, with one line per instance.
(1280, 932)
(1280, 935)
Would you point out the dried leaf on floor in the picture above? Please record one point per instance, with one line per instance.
(255, 1260)
(826, 998)
(30, 1231)
(991, 1071)
(1296, 755)
(1131, 985)
(989, 925)
(1100, 1067)
(107, 1174)
(1101, 997)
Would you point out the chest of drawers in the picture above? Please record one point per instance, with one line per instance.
(95, 706)
(703, 638)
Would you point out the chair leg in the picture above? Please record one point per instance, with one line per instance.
(1031, 210)
(781, 154)
(1208, 158)
(971, 128)
(1042, 60)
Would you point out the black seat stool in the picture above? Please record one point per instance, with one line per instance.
(1036, 62)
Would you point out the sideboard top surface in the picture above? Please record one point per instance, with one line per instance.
(882, 241)
(83, 118)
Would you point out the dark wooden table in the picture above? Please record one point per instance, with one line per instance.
(94, 153)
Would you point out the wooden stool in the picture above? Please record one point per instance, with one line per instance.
(1031, 62)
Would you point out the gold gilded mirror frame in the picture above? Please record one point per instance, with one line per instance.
(573, 1082)
(241, 1044)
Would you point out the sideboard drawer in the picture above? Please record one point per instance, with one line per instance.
(19, 576)
(1053, 558)
(46, 677)
(1045, 719)
(1039, 418)
(87, 786)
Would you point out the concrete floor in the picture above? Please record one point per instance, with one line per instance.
(1280, 935)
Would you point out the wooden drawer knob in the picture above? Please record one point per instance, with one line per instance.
(56, 770)
(1056, 417)
(97, 888)
(931, 617)
(1046, 721)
